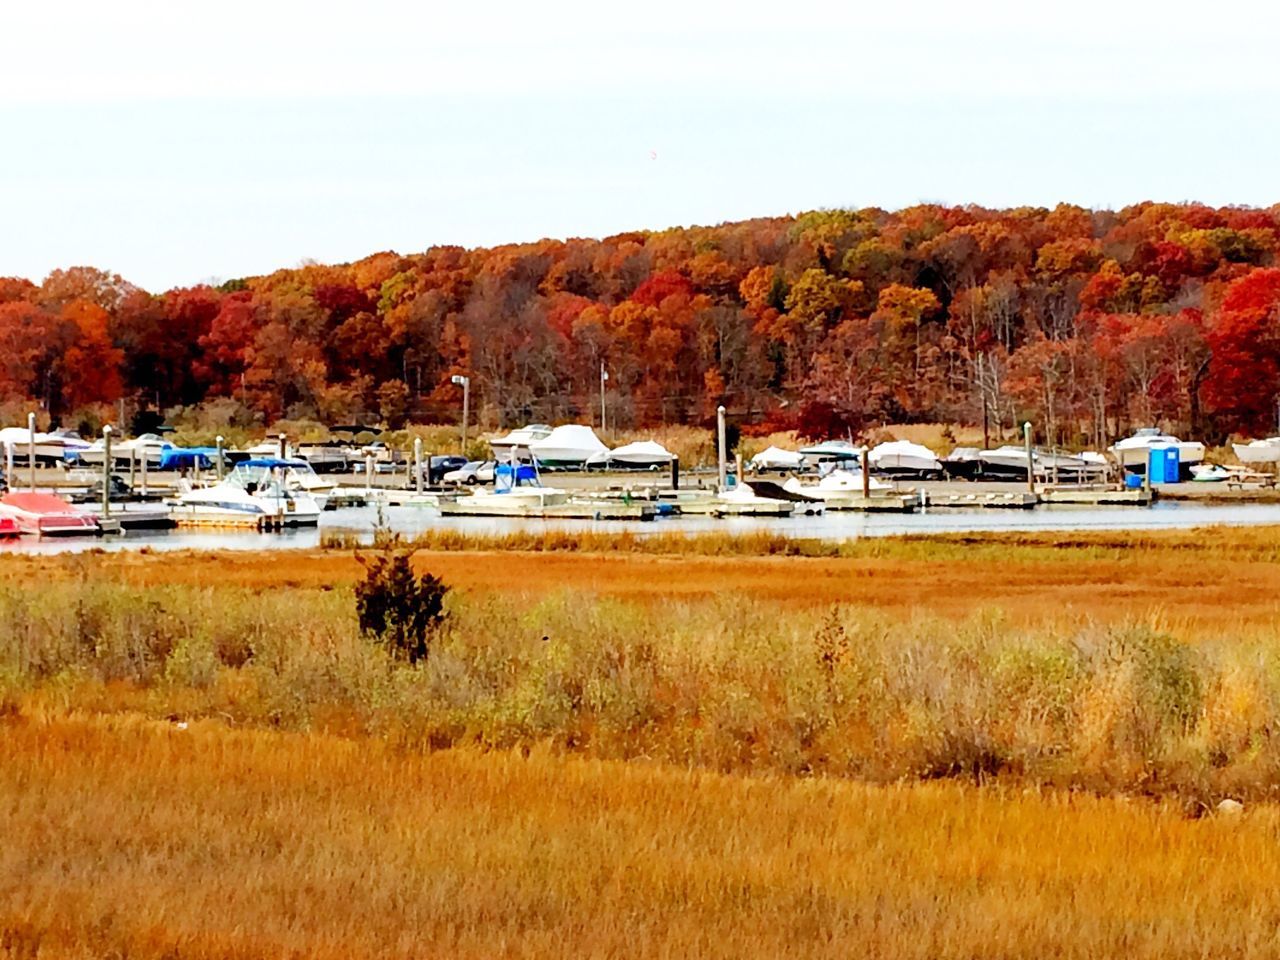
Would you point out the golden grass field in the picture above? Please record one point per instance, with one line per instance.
(958, 747)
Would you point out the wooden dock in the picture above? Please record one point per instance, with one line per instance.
(137, 517)
(580, 510)
(879, 503)
(1012, 500)
(715, 507)
(1085, 496)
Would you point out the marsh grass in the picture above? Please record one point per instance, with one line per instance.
(722, 683)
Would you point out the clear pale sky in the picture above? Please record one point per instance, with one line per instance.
(177, 145)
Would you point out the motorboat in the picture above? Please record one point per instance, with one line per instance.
(1008, 462)
(325, 457)
(836, 485)
(904, 458)
(148, 447)
(776, 458)
(567, 446)
(832, 450)
(259, 492)
(46, 514)
(517, 487)
(517, 441)
(1258, 451)
(50, 448)
(642, 454)
(1133, 452)
(297, 473)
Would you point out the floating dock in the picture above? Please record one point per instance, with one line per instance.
(582, 510)
(1024, 500)
(881, 503)
(134, 516)
(715, 507)
(1085, 496)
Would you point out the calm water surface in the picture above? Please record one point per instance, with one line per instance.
(835, 526)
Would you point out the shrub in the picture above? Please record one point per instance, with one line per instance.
(398, 609)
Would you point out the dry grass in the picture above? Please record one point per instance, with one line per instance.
(128, 838)
(956, 747)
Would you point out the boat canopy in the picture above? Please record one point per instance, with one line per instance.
(642, 451)
(834, 449)
(572, 443)
(778, 457)
(176, 458)
(270, 463)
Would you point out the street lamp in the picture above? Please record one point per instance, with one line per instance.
(465, 384)
(604, 378)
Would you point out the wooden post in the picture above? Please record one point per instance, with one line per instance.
(144, 474)
(866, 474)
(221, 470)
(31, 450)
(417, 464)
(1031, 471)
(675, 472)
(106, 471)
(284, 447)
(737, 470)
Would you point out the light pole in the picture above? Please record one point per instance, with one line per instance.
(604, 378)
(720, 447)
(465, 384)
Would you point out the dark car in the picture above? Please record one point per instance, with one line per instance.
(437, 467)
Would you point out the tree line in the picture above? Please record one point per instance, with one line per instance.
(1085, 321)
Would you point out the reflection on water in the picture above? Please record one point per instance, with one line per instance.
(835, 526)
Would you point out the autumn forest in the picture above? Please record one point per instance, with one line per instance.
(1087, 322)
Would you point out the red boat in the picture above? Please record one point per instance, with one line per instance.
(9, 528)
(45, 514)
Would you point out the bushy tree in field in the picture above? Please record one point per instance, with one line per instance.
(398, 609)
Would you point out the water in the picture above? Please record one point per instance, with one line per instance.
(834, 526)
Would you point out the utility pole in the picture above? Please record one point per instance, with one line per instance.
(604, 378)
(465, 384)
(982, 385)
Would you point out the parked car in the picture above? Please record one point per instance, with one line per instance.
(476, 471)
(437, 467)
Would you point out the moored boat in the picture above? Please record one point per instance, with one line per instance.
(46, 514)
(258, 493)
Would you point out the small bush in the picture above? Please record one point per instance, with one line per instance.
(398, 609)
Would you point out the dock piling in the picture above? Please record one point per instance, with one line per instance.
(106, 472)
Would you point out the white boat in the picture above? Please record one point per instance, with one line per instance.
(148, 447)
(832, 450)
(903, 457)
(1211, 473)
(258, 492)
(57, 447)
(1134, 451)
(836, 485)
(325, 457)
(517, 441)
(776, 458)
(642, 453)
(570, 445)
(297, 473)
(1258, 451)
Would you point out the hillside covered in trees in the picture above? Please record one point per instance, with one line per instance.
(1087, 322)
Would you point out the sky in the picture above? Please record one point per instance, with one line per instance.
(178, 143)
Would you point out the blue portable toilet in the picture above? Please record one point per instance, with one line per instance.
(1163, 465)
